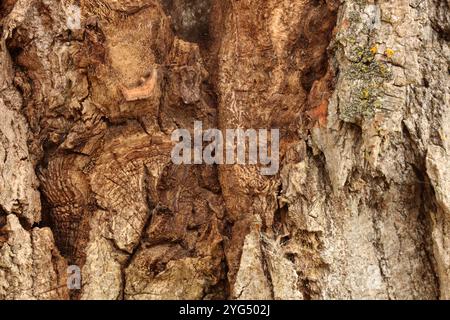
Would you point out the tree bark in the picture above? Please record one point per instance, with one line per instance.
(360, 207)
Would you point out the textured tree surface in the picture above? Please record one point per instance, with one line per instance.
(360, 208)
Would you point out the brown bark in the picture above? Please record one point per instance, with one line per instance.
(359, 90)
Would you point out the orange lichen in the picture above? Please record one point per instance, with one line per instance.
(389, 53)
(319, 113)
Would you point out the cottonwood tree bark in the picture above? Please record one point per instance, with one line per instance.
(359, 89)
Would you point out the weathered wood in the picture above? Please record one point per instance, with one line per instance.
(359, 90)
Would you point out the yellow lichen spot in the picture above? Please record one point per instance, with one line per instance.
(374, 49)
(389, 53)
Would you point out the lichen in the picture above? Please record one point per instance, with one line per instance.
(367, 76)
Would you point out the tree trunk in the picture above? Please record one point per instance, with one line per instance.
(91, 91)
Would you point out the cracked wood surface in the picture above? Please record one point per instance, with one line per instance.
(144, 91)
(359, 90)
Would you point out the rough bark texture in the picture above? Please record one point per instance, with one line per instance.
(359, 89)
